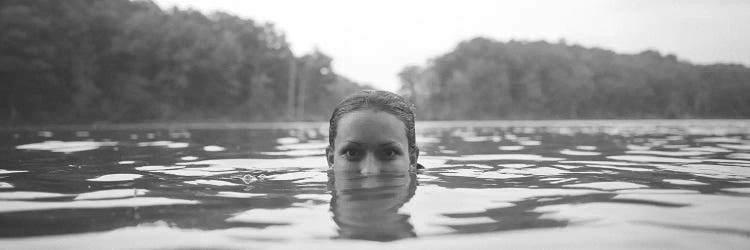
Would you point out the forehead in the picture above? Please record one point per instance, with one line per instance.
(371, 126)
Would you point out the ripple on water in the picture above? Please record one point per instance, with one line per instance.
(116, 177)
(713, 213)
(296, 153)
(739, 156)
(496, 157)
(621, 168)
(684, 182)
(669, 153)
(29, 195)
(481, 138)
(560, 180)
(607, 185)
(638, 147)
(317, 197)
(195, 172)
(709, 170)
(4, 171)
(586, 147)
(600, 200)
(426, 140)
(212, 183)
(613, 163)
(65, 146)
(230, 194)
(657, 191)
(111, 194)
(529, 143)
(168, 144)
(514, 165)
(745, 190)
(719, 140)
(564, 166)
(189, 158)
(304, 146)
(264, 164)
(735, 146)
(644, 158)
(511, 148)
(581, 153)
(287, 140)
(16, 206)
(540, 171)
(157, 167)
(464, 172)
(300, 175)
(505, 173)
(213, 148)
(304, 220)
(707, 149)
(428, 209)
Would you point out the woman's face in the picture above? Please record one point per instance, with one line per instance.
(369, 142)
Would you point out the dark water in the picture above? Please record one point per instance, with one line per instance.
(572, 184)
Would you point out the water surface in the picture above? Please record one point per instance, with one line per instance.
(519, 185)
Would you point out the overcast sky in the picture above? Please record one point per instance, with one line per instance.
(371, 41)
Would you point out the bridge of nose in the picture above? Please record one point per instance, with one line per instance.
(369, 165)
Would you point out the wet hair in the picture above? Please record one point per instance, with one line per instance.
(379, 101)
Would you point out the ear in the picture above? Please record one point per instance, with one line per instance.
(414, 156)
(329, 156)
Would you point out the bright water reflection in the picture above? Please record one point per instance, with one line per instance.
(629, 184)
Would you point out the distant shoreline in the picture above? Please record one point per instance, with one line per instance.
(420, 124)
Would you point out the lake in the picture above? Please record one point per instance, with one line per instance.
(650, 184)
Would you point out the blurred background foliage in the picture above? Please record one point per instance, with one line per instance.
(486, 79)
(84, 61)
(78, 61)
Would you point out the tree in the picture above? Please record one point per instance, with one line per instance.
(130, 61)
(486, 79)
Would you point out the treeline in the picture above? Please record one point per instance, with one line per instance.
(79, 61)
(487, 79)
(82, 61)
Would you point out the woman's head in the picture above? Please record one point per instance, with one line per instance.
(372, 131)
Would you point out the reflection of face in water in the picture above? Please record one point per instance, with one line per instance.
(366, 207)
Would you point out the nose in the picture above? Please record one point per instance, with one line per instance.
(369, 166)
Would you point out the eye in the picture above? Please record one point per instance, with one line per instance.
(389, 154)
(351, 154)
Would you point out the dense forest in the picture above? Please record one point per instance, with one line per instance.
(486, 79)
(81, 61)
(84, 61)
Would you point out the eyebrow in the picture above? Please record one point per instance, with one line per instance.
(382, 144)
(389, 143)
(353, 142)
